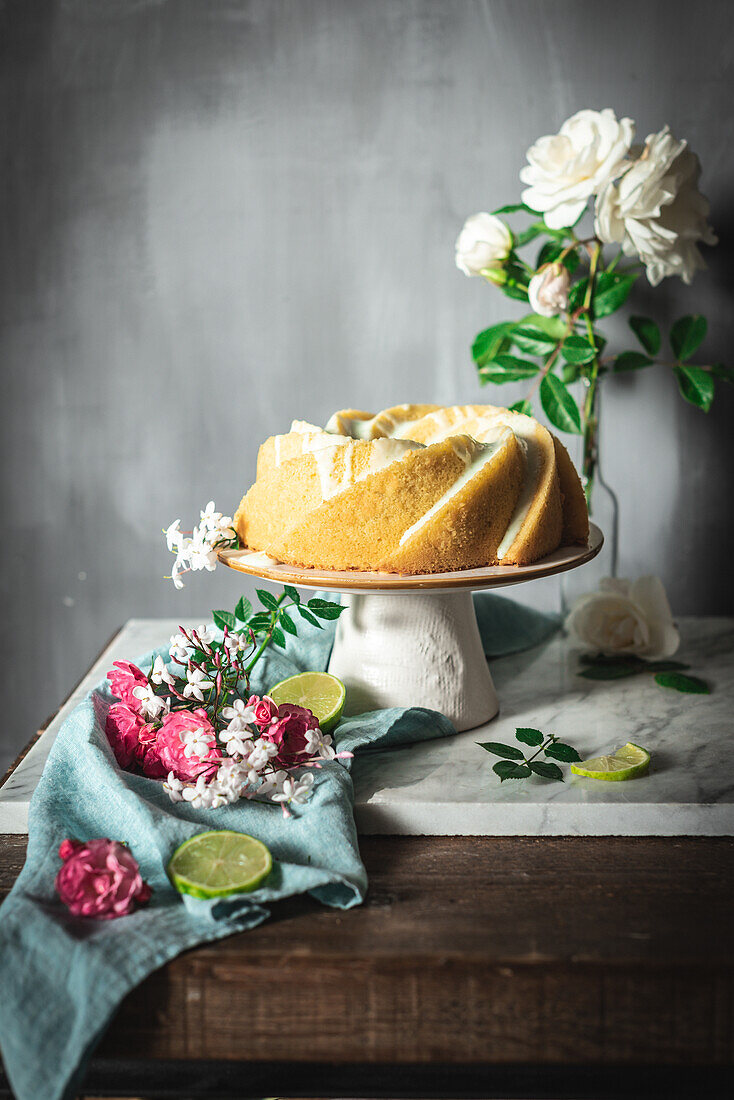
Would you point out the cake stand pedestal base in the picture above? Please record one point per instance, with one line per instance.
(425, 650)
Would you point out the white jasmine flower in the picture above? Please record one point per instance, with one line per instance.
(625, 617)
(197, 684)
(566, 168)
(656, 211)
(201, 553)
(204, 634)
(179, 650)
(174, 537)
(179, 567)
(320, 744)
(173, 788)
(295, 790)
(232, 739)
(239, 709)
(151, 705)
(159, 673)
(273, 782)
(483, 244)
(196, 742)
(202, 795)
(262, 753)
(236, 642)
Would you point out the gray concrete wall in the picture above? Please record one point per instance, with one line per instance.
(219, 215)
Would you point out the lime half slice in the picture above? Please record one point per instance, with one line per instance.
(322, 693)
(625, 763)
(214, 864)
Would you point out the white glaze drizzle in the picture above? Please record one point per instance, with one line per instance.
(259, 557)
(382, 453)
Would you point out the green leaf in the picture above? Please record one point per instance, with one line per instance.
(513, 208)
(532, 339)
(224, 618)
(305, 614)
(508, 368)
(243, 610)
(529, 736)
(577, 349)
(529, 234)
(631, 360)
(509, 752)
(647, 332)
(570, 373)
(560, 751)
(553, 326)
(291, 593)
(523, 407)
(267, 599)
(665, 666)
(692, 685)
(505, 769)
(548, 771)
(687, 335)
(550, 251)
(720, 371)
(491, 342)
(515, 290)
(288, 625)
(558, 404)
(611, 671)
(611, 292)
(576, 295)
(260, 622)
(328, 611)
(696, 385)
(278, 637)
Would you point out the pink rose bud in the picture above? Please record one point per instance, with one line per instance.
(265, 710)
(171, 742)
(100, 879)
(548, 290)
(123, 677)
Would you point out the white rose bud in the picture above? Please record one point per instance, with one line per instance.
(625, 617)
(548, 290)
(483, 244)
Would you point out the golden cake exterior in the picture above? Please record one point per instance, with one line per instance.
(414, 489)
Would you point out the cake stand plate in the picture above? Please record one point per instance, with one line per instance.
(413, 640)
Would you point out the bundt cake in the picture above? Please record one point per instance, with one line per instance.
(414, 489)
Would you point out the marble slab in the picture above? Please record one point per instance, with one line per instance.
(447, 786)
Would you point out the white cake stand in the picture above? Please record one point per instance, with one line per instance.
(414, 640)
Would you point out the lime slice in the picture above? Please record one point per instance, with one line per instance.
(322, 693)
(221, 862)
(625, 763)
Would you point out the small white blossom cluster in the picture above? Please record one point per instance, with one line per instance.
(198, 550)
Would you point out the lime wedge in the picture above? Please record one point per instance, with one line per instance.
(217, 863)
(322, 693)
(625, 763)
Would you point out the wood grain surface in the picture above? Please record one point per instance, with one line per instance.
(550, 951)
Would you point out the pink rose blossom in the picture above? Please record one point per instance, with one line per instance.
(170, 749)
(100, 879)
(124, 728)
(123, 678)
(265, 710)
(289, 733)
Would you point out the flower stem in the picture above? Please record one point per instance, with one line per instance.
(268, 635)
(588, 417)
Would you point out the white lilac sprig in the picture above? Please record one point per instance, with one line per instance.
(648, 212)
(194, 724)
(197, 549)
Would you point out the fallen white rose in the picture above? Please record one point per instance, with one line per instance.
(566, 168)
(656, 211)
(625, 617)
(483, 244)
(548, 290)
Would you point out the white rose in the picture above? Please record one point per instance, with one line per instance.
(548, 290)
(655, 211)
(483, 244)
(564, 169)
(625, 617)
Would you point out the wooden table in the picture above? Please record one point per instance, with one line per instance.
(478, 966)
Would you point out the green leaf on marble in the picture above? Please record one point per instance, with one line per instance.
(509, 752)
(691, 685)
(505, 769)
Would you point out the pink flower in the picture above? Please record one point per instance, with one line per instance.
(123, 677)
(289, 733)
(100, 879)
(124, 727)
(178, 743)
(265, 710)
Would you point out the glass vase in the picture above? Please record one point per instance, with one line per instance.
(602, 504)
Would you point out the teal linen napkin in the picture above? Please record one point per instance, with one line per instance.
(64, 976)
